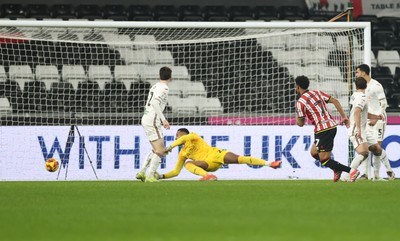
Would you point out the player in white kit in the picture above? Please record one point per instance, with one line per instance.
(377, 104)
(363, 141)
(152, 120)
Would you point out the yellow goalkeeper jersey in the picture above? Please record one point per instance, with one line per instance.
(194, 148)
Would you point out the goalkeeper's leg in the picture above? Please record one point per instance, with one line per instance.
(199, 168)
(232, 158)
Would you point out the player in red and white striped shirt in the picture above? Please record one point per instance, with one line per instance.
(312, 105)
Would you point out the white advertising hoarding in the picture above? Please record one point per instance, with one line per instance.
(117, 152)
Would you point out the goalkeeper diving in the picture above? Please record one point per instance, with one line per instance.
(204, 158)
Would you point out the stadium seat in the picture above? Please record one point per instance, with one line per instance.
(216, 13)
(127, 74)
(115, 12)
(194, 89)
(325, 42)
(134, 56)
(89, 11)
(145, 42)
(118, 41)
(13, 11)
(207, 106)
(73, 74)
(273, 42)
(182, 106)
(330, 74)
(12, 91)
(115, 97)
(291, 13)
(191, 13)
(88, 97)
(38, 11)
(3, 74)
(266, 13)
(165, 13)
(140, 13)
(298, 42)
(63, 11)
(397, 75)
(20, 74)
(342, 43)
(288, 57)
(161, 57)
(5, 106)
(48, 74)
(35, 95)
(240, 13)
(315, 57)
(389, 58)
(381, 71)
(368, 18)
(61, 96)
(101, 74)
(137, 96)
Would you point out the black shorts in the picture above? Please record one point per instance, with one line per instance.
(324, 140)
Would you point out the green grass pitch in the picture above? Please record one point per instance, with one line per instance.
(204, 211)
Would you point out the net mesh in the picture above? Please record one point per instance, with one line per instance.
(101, 76)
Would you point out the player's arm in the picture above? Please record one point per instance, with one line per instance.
(177, 170)
(181, 140)
(339, 108)
(300, 117)
(357, 120)
(300, 121)
(155, 103)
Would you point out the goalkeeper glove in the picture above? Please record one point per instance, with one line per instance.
(168, 150)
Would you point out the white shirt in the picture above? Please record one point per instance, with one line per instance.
(358, 100)
(156, 101)
(374, 93)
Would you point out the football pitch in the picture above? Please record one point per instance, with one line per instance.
(204, 211)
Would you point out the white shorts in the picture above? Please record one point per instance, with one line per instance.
(366, 137)
(153, 130)
(378, 130)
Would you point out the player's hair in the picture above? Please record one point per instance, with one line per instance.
(184, 130)
(165, 73)
(361, 83)
(364, 68)
(302, 81)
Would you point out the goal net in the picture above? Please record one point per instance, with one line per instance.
(60, 74)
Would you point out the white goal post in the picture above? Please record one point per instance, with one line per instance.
(96, 74)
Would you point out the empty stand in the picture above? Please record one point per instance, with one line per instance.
(182, 106)
(165, 13)
(140, 13)
(191, 13)
(389, 58)
(73, 74)
(47, 74)
(63, 11)
(127, 74)
(115, 12)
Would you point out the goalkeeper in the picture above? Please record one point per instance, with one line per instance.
(205, 158)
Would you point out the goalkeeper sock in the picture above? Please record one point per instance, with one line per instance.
(334, 165)
(252, 161)
(155, 162)
(195, 169)
(357, 161)
(146, 162)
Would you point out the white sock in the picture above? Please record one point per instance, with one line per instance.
(155, 162)
(146, 162)
(385, 161)
(363, 168)
(377, 165)
(357, 161)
